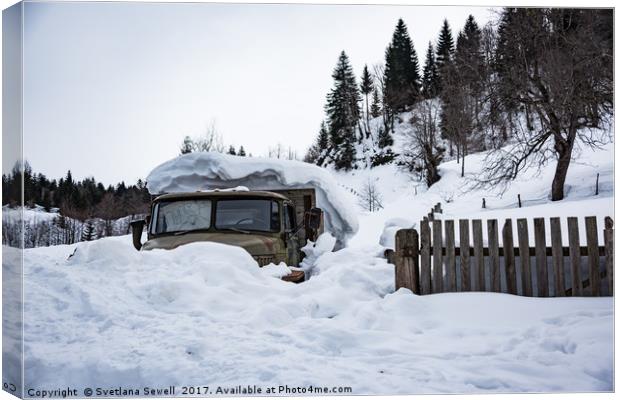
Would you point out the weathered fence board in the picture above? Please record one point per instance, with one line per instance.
(524, 257)
(437, 284)
(494, 255)
(425, 258)
(450, 259)
(541, 257)
(558, 258)
(420, 260)
(464, 245)
(592, 243)
(575, 256)
(609, 253)
(479, 254)
(511, 272)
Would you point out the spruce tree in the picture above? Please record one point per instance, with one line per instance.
(88, 232)
(402, 75)
(241, 152)
(343, 113)
(231, 150)
(187, 146)
(445, 50)
(468, 56)
(366, 87)
(430, 78)
(375, 108)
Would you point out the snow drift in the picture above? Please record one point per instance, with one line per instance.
(211, 170)
(110, 316)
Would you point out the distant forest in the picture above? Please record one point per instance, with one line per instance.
(80, 200)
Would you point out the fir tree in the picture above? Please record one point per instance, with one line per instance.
(468, 56)
(241, 152)
(430, 78)
(231, 150)
(187, 146)
(366, 87)
(375, 108)
(445, 50)
(88, 232)
(402, 76)
(343, 113)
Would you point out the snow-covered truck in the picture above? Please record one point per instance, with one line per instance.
(271, 226)
(269, 207)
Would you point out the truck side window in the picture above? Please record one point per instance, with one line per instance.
(289, 218)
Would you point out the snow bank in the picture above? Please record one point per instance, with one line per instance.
(210, 170)
(110, 316)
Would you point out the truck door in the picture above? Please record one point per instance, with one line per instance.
(290, 229)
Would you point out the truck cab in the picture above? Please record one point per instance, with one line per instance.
(266, 224)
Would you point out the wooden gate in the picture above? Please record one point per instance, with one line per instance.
(431, 262)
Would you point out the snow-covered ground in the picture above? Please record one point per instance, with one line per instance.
(110, 316)
(100, 314)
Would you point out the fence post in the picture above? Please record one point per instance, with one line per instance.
(609, 253)
(450, 257)
(406, 260)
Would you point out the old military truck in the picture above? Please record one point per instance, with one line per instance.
(272, 227)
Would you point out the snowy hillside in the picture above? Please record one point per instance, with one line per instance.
(406, 200)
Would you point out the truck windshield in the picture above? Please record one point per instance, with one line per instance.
(182, 215)
(251, 214)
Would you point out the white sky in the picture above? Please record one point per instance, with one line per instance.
(111, 89)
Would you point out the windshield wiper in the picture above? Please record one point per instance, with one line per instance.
(237, 230)
(177, 233)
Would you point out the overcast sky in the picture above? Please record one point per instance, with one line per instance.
(111, 89)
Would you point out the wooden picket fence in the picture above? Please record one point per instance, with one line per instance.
(429, 262)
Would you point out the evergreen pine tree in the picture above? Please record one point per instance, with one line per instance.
(402, 76)
(375, 108)
(88, 232)
(366, 87)
(241, 152)
(445, 51)
(343, 113)
(187, 146)
(231, 150)
(468, 56)
(430, 78)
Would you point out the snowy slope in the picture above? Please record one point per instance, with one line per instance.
(110, 316)
(409, 201)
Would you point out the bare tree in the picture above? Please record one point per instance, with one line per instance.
(558, 63)
(422, 154)
(211, 140)
(370, 198)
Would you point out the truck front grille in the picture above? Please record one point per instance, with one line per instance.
(264, 260)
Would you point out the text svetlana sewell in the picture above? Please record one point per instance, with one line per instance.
(146, 391)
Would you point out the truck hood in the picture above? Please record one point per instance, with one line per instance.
(252, 243)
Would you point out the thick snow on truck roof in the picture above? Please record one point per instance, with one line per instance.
(209, 170)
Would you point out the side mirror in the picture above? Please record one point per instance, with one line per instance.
(137, 227)
(313, 219)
